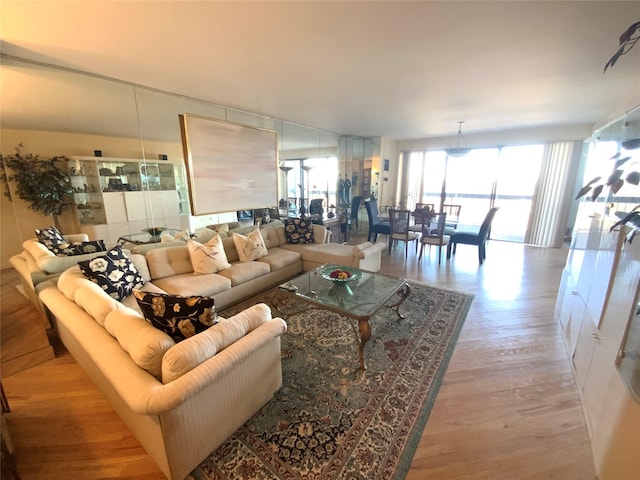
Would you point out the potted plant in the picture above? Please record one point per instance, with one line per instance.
(41, 183)
(618, 176)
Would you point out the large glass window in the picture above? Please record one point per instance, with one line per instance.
(504, 177)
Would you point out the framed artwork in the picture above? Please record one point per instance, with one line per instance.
(230, 167)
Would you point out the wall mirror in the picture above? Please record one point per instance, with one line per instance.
(54, 111)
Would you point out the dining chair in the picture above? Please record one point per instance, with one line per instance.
(425, 206)
(433, 232)
(420, 208)
(376, 225)
(260, 216)
(453, 215)
(478, 238)
(399, 222)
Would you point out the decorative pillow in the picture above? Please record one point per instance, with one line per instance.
(298, 230)
(208, 258)
(177, 316)
(51, 237)
(114, 273)
(79, 248)
(250, 247)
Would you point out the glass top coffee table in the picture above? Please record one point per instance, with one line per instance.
(358, 297)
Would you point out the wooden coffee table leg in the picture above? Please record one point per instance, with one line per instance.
(403, 292)
(365, 334)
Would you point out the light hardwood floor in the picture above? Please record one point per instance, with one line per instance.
(508, 407)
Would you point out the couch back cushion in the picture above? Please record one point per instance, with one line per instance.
(188, 354)
(86, 294)
(166, 262)
(145, 344)
(230, 249)
(273, 236)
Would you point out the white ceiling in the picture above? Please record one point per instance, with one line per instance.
(391, 68)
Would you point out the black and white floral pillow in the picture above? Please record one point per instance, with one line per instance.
(56, 243)
(79, 248)
(298, 230)
(179, 317)
(51, 238)
(114, 273)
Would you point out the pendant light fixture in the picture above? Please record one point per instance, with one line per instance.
(458, 151)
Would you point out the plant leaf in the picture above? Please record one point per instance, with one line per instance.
(633, 178)
(583, 191)
(614, 177)
(596, 192)
(617, 185)
(621, 161)
(597, 179)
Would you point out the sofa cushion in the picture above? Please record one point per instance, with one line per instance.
(298, 230)
(50, 237)
(190, 284)
(187, 355)
(279, 258)
(242, 272)
(145, 344)
(208, 258)
(90, 246)
(178, 316)
(273, 236)
(169, 261)
(113, 272)
(78, 248)
(250, 247)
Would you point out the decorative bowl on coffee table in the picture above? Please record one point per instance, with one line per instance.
(340, 275)
(155, 232)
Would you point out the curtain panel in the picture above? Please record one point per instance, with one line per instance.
(554, 194)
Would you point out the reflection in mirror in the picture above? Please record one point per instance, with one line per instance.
(308, 168)
(55, 111)
(357, 158)
(618, 140)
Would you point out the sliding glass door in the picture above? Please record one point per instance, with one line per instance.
(485, 177)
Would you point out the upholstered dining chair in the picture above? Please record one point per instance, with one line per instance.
(399, 222)
(478, 238)
(433, 232)
(376, 225)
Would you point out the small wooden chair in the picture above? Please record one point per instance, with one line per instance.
(433, 232)
(399, 221)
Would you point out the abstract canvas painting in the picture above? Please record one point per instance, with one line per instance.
(229, 166)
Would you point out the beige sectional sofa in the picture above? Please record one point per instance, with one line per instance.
(183, 400)
(36, 264)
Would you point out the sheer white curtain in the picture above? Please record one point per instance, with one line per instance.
(554, 194)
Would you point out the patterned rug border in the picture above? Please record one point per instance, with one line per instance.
(421, 422)
(418, 422)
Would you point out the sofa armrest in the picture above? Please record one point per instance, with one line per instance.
(321, 234)
(60, 264)
(367, 249)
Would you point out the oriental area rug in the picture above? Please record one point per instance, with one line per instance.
(331, 420)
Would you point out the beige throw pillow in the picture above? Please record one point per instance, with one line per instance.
(207, 258)
(250, 247)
